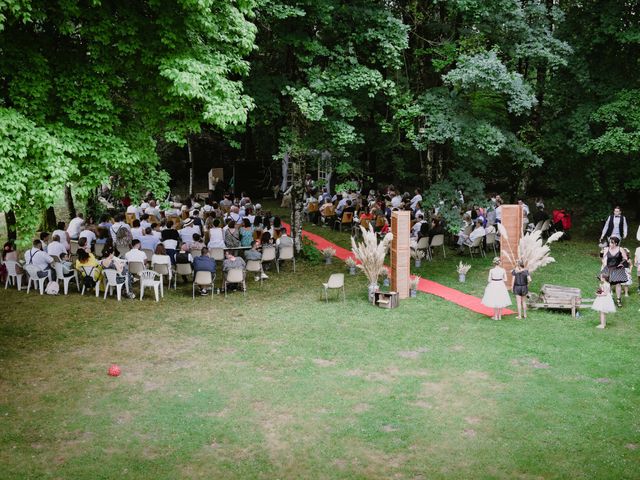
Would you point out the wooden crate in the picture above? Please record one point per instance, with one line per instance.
(387, 299)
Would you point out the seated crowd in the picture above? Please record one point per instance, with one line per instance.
(147, 237)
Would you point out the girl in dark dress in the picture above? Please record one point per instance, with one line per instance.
(520, 280)
(613, 264)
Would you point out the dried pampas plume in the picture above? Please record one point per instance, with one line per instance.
(371, 253)
(533, 253)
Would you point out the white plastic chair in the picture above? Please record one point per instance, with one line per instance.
(477, 244)
(32, 278)
(181, 269)
(111, 281)
(91, 271)
(491, 242)
(423, 244)
(235, 275)
(336, 281)
(203, 278)
(217, 254)
(66, 279)
(149, 278)
(13, 276)
(438, 241)
(269, 255)
(286, 253)
(136, 268)
(255, 266)
(163, 269)
(73, 247)
(97, 249)
(149, 253)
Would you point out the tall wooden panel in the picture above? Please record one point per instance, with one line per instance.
(400, 253)
(512, 218)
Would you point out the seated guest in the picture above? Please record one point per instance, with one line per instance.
(86, 259)
(540, 215)
(135, 254)
(156, 231)
(148, 241)
(115, 228)
(184, 256)
(103, 235)
(62, 235)
(111, 262)
(136, 230)
(160, 256)
(144, 221)
(67, 266)
(36, 256)
(44, 238)
(89, 234)
(284, 240)
(75, 226)
(204, 263)
(253, 253)
(216, 236)
(188, 229)
(415, 230)
(246, 233)
(105, 222)
(476, 233)
(83, 245)
(231, 262)
(326, 210)
(56, 248)
(232, 236)
(170, 233)
(197, 242)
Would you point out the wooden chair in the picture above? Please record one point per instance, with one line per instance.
(347, 219)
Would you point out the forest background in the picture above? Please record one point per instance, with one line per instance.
(521, 97)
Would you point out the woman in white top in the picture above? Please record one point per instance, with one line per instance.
(216, 236)
(496, 295)
(63, 235)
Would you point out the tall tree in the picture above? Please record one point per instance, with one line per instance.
(88, 88)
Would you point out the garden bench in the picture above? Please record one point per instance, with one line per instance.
(559, 297)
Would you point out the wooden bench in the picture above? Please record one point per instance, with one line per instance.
(559, 297)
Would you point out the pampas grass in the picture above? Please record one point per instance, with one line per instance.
(371, 253)
(533, 253)
(328, 252)
(463, 268)
(418, 254)
(413, 283)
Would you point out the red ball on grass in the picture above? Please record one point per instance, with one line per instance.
(114, 370)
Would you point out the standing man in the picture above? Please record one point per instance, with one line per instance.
(615, 226)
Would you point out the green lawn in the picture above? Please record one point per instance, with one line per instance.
(279, 384)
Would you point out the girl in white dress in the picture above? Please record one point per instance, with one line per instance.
(604, 301)
(496, 295)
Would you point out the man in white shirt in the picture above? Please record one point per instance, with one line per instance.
(89, 235)
(153, 209)
(37, 257)
(56, 247)
(417, 198)
(135, 254)
(119, 223)
(149, 241)
(416, 228)
(396, 201)
(187, 231)
(75, 226)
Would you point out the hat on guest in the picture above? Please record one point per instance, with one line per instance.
(258, 206)
(188, 222)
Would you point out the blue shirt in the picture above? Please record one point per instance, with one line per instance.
(204, 264)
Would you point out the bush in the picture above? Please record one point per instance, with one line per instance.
(310, 253)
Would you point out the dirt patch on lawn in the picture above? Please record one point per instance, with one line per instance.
(321, 362)
(534, 363)
(413, 354)
(361, 408)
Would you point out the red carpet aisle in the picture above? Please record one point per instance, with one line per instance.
(427, 286)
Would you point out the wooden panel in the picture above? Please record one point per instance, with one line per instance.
(400, 253)
(512, 222)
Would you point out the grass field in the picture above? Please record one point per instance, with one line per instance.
(279, 384)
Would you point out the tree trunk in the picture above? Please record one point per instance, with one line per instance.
(68, 198)
(429, 164)
(190, 166)
(10, 218)
(49, 221)
(297, 167)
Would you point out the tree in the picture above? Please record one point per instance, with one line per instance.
(88, 89)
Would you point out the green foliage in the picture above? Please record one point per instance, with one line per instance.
(310, 253)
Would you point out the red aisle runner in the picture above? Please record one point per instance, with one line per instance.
(427, 286)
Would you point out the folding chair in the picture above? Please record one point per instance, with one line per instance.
(235, 275)
(181, 269)
(437, 241)
(286, 253)
(255, 266)
(203, 279)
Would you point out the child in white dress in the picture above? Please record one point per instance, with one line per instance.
(496, 295)
(604, 301)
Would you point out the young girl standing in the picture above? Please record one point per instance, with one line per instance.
(603, 302)
(520, 287)
(496, 295)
